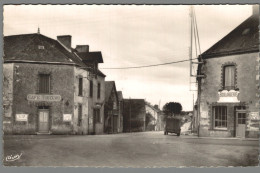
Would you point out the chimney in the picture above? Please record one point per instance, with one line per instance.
(82, 48)
(255, 9)
(65, 40)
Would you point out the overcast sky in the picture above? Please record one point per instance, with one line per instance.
(133, 36)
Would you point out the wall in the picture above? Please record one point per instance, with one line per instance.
(83, 100)
(26, 82)
(110, 113)
(8, 70)
(133, 115)
(247, 82)
(99, 127)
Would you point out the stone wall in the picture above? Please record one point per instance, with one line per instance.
(26, 81)
(8, 70)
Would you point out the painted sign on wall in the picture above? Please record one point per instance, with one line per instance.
(67, 117)
(228, 96)
(253, 123)
(21, 117)
(48, 98)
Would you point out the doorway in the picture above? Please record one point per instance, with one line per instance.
(43, 121)
(240, 123)
(115, 119)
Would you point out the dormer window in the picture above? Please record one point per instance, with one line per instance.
(40, 47)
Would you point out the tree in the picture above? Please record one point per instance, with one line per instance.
(148, 118)
(172, 108)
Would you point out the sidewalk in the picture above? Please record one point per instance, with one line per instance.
(194, 136)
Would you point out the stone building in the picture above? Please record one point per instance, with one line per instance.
(134, 115)
(112, 117)
(228, 94)
(46, 87)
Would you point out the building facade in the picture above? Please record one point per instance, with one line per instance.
(45, 87)
(228, 94)
(112, 117)
(134, 115)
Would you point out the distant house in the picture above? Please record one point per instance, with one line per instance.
(228, 94)
(112, 117)
(134, 115)
(154, 112)
(121, 106)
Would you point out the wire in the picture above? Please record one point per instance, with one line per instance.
(153, 65)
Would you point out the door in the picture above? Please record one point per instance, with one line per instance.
(44, 120)
(115, 119)
(240, 124)
(94, 121)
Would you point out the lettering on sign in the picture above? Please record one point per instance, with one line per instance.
(21, 117)
(228, 96)
(67, 117)
(47, 98)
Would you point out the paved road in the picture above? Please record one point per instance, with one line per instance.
(146, 149)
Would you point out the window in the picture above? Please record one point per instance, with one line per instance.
(114, 105)
(91, 88)
(44, 83)
(229, 77)
(241, 118)
(98, 91)
(220, 117)
(97, 115)
(80, 86)
(79, 114)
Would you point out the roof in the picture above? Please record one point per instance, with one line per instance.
(151, 106)
(91, 56)
(109, 85)
(26, 48)
(243, 39)
(120, 95)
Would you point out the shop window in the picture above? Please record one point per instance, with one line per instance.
(80, 86)
(97, 115)
(79, 114)
(220, 117)
(91, 88)
(229, 77)
(98, 91)
(44, 83)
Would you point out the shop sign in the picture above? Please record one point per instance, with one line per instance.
(47, 98)
(21, 117)
(67, 117)
(254, 116)
(228, 96)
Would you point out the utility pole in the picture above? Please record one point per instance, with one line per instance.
(130, 115)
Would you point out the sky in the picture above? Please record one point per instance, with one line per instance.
(134, 35)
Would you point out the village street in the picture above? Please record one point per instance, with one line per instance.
(143, 149)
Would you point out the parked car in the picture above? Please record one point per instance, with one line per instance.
(172, 125)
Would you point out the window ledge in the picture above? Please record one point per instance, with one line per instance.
(218, 130)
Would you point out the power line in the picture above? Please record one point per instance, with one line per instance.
(153, 65)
